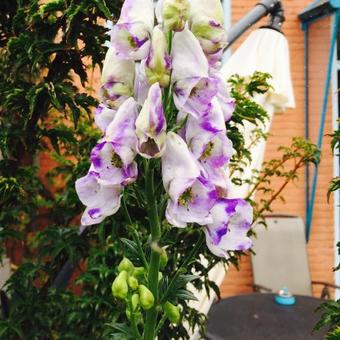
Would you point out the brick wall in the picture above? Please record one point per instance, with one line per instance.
(289, 124)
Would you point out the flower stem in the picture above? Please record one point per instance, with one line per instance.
(155, 229)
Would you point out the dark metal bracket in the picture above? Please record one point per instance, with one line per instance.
(273, 8)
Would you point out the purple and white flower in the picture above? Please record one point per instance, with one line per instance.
(192, 86)
(232, 219)
(207, 24)
(141, 86)
(191, 194)
(207, 140)
(227, 103)
(103, 116)
(100, 200)
(113, 157)
(151, 125)
(158, 63)
(117, 80)
(131, 35)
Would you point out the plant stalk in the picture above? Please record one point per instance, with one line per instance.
(155, 230)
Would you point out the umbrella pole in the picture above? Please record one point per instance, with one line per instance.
(262, 9)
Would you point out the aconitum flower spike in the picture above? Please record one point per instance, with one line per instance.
(207, 24)
(151, 125)
(131, 35)
(158, 64)
(100, 200)
(232, 220)
(113, 157)
(192, 86)
(117, 80)
(191, 194)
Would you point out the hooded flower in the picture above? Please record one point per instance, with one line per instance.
(141, 86)
(207, 21)
(103, 116)
(131, 35)
(227, 103)
(113, 157)
(151, 125)
(173, 14)
(232, 219)
(100, 200)
(192, 86)
(117, 80)
(208, 142)
(191, 194)
(158, 64)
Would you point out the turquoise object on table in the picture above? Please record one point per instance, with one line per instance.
(285, 298)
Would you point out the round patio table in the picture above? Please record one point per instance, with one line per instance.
(258, 317)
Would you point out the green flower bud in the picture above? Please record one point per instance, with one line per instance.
(128, 313)
(133, 282)
(175, 14)
(135, 301)
(157, 65)
(126, 265)
(119, 286)
(146, 298)
(139, 272)
(160, 276)
(164, 259)
(172, 312)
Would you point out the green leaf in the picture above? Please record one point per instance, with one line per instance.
(102, 6)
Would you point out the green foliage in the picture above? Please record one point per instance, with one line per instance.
(331, 310)
(335, 144)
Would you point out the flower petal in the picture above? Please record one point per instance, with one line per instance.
(137, 10)
(188, 59)
(179, 167)
(158, 64)
(151, 125)
(231, 222)
(103, 116)
(212, 9)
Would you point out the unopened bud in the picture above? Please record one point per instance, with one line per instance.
(126, 265)
(175, 14)
(164, 259)
(172, 312)
(147, 299)
(135, 301)
(119, 286)
(133, 282)
(139, 272)
(158, 65)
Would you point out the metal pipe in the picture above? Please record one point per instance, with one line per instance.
(323, 121)
(261, 10)
(307, 136)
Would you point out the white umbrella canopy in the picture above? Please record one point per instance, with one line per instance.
(265, 50)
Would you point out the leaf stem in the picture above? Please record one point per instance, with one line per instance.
(155, 229)
(184, 265)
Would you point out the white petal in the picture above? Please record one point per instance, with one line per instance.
(212, 9)
(179, 167)
(188, 59)
(137, 10)
(117, 70)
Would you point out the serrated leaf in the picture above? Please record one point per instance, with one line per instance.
(123, 329)
(182, 294)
